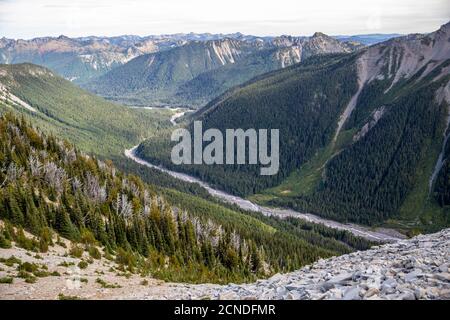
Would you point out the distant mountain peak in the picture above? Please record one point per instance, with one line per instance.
(320, 35)
(445, 28)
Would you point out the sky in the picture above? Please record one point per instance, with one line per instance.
(27, 19)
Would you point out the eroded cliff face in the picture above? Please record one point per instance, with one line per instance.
(404, 57)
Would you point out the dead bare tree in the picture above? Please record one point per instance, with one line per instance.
(55, 176)
(93, 189)
(35, 165)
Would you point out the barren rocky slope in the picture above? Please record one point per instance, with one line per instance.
(409, 269)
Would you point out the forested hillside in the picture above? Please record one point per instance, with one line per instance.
(288, 100)
(362, 135)
(193, 74)
(153, 79)
(55, 104)
(47, 184)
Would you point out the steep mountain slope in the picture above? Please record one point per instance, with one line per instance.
(55, 104)
(195, 73)
(78, 59)
(286, 51)
(155, 77)
(48, 186)
(415, 269)
(281, 100)
(360, 134)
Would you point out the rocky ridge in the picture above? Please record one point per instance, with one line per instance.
(418, 268)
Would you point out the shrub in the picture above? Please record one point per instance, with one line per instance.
(23, 242)
(83, 264)
(8, 231)
(4, 243)
(8, 280)
(23, 274)
(66, 264)
(125, 258)
(94, 252)
(144, 282)
(28, 267)
(64, 297)
(11, 261)
(45, 239)
(30, 279)
(76, 251)
(41, 273)
(108, 256)
(104, 284)
(87, 237)
(43, 246)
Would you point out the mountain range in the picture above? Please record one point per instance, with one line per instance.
(194, 73)
(83, 58)
(364, 123)
(79, 59)
(362, 134)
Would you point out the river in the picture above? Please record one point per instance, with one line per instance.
(378, 234)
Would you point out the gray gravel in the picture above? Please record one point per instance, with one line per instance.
(405, 270)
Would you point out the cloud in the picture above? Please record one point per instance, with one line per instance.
(374, 21)
(31, 18)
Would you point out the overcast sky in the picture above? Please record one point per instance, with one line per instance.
(33, 18)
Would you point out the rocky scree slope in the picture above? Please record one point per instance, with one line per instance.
(411, 269)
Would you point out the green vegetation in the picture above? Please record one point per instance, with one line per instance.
(210, 84)
(302, 101)
(386, 174)
(376, 175)
(104, 284)
(92, 123)
(94, 252)
(66, 264)
(197, 72)
(10, 261)
(61, 296)
(172, 235)
(154, 79)
(76, 251)
(4, 243)
(6, 280)
(144, 282)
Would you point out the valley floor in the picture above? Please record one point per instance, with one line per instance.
(418, 268)
(377, 234)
